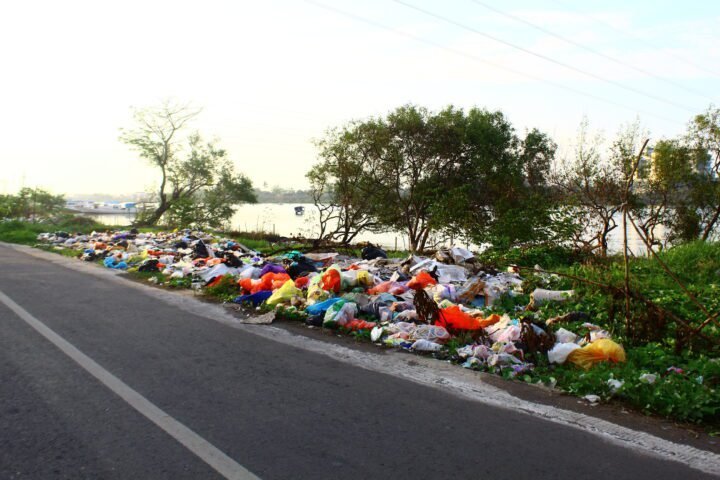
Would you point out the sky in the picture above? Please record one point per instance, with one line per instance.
(272, 76)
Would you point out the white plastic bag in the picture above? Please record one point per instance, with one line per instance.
(560, 352)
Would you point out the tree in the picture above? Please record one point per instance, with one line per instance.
(340, 189)
(506, 195)
(33, 204)
(665, 184)
(703, 138)
(447, 173)
(593, 186)
(195, 175)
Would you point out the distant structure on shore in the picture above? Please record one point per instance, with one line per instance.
(87, 206)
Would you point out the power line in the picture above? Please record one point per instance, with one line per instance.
(637, 38)
(488, 62)
(591, 50)
(546, 58)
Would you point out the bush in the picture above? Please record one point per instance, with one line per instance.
(226, 289)
(547, 256)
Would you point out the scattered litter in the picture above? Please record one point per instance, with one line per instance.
(442, 305)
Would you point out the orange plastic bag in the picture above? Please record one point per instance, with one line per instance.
(269, 281)
(602, 350)
(454, 317)
(421, 280)
(331, 280)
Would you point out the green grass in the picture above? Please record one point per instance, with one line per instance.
(654, 343)
(26, 233)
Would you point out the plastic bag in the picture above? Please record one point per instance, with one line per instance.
(421, 280)
(565, 336)
(272, 268)
(320, 308)
(355, 278)
(110, 263)
(394, 288)
(356, 324)
(340, 313)
(423, 345)
(331, 280)
(316, 294)
(432, 333)
(255, 298)
(560, 352)
(285, 293)
(603, 350)
(269, 281)
(454, 317)
(442, 292)
(541, 296)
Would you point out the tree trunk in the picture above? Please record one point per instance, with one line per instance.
(154, 218)
(711, 224)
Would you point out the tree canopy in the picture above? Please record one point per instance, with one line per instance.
(428, 174)
(33, 204)
(198, 182)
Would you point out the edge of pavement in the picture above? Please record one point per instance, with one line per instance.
(423, 370)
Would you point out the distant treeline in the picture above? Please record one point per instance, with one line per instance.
(282, 195)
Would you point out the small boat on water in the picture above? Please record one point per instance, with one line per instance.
(300, 210)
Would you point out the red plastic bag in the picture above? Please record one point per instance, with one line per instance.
(331, 280)
(359, 325)
(454, 317)
(301, 282)
(421, 280)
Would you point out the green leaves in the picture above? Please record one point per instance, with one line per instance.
(453, 173)
(199, 186)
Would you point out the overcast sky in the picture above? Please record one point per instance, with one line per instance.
(272, 75)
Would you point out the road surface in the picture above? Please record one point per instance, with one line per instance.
(78, 400)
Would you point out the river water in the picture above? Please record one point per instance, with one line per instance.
(280, 218)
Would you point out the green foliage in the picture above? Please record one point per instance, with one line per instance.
(24, 232)
(198, 186)
(226, 289)
(453, 173)
(547, 256)
(31, 204)
(690, 395)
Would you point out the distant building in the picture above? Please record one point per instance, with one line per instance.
(646, 166)
(647, 172)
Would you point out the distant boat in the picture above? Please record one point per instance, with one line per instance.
(300, 210)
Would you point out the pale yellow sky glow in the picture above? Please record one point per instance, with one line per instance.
(272, 75)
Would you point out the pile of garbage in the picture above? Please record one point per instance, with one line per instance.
(415, 303)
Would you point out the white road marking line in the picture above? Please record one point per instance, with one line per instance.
(223, 464)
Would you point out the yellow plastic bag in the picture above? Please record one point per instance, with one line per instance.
(602, 350)
(365, 278)
(316, 294)
(284, 293)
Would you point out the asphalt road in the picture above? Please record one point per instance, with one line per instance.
(279, 411)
